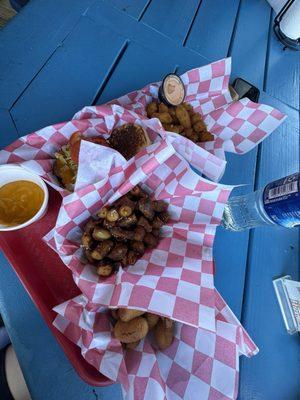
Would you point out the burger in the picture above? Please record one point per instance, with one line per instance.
(127, 139)
(66, 159)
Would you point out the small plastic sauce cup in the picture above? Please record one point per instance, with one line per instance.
(13, 173)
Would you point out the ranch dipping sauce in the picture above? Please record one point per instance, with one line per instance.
(172, 90)
(19, 202)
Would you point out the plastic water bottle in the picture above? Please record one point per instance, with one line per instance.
(277, 204)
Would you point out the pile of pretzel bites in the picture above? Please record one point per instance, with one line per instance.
(121, 233)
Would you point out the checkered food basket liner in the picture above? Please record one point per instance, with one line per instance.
(36, 150)
(237, 126)
(176, 278)
(198, 361)
(207, 163)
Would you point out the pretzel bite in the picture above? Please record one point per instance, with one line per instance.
(126, 314)
(131, 331)
(164, 333)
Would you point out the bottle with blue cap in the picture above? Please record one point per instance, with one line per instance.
(277, 204)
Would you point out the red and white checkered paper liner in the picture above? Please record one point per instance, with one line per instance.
(198, 361)
(207, 163)
(36, 150)
(237, 126)
(176, 278)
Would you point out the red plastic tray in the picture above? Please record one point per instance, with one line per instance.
(47, 280)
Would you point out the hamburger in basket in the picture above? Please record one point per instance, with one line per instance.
(128, 139)
(53, 152)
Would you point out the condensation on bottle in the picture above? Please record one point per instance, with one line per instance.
(277, 204)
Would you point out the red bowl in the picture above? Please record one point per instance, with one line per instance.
(47, 280)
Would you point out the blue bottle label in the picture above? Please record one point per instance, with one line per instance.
(282, 201)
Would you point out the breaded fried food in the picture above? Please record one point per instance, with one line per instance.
(151, 108)
(181, 119)
(164, 117)
(183, 116)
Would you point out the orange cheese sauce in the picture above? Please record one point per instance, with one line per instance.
(19, 202)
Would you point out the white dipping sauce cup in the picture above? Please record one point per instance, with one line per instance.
(13, 173)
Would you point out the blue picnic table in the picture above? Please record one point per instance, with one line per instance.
(58, 56)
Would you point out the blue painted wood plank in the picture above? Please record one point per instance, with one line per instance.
(140, 67)
(47, 371)
(211, 32)
(172, 18)
(283, 80)
(30, 38)
(134, 8)
(249, 47)
(142, 34)
(71, 78)
(273, 252)
(8, 131)
(231, 248)
(75, 87)
(142, 62)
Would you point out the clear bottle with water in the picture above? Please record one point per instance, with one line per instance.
(277, 204)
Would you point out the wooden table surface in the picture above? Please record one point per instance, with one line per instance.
(58, 56)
